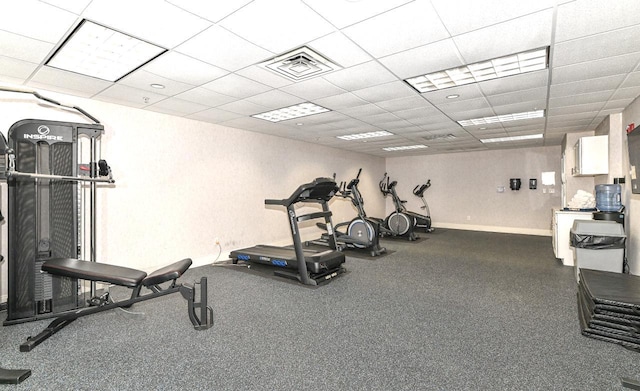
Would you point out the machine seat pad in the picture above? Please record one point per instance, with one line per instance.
(169, 272)
(94, 271)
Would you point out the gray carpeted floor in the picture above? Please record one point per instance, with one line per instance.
(461, 310)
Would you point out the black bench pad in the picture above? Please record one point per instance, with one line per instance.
(169, 272)
(94, 271)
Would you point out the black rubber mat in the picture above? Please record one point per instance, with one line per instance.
(614, 289)
(609, 307)
(604, 335)
(613, 324)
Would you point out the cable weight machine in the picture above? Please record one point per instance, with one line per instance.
(40, 163)
(48, 188)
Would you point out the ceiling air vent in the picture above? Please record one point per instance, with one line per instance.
(300, 64)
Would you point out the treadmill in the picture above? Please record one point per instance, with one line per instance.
(307, 266)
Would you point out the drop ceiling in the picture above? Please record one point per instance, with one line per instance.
(212, 69)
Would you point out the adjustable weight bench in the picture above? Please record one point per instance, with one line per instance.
(127, 277)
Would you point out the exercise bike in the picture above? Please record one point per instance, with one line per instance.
(400, 222)
(362, 232)
(418, 191)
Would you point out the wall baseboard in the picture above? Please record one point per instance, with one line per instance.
(490, 228)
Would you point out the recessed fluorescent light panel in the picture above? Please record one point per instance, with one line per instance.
(295, 111)
(529, 61)
(360, 136)
(512, 138)
(404, 148)
(502, 118)
(100, 52)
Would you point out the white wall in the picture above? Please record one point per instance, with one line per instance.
(464, 186)
(182, 183)
(632, 201)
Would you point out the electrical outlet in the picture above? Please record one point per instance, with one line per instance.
(468, 217)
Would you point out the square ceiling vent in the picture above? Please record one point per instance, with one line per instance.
(300, 64)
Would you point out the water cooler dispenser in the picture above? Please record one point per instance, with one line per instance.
(609, 203)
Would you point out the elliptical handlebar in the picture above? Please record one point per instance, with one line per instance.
(384, 187)
(420, 189)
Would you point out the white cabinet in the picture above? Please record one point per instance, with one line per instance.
(591, 156)
(562, 224)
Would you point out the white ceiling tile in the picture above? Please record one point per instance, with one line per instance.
(597, 46)
(411, 114)
(360, 76)
(462, 16)
(169, 26)
(377, 119)
(586, 86)
(175, 106)
(128, 96)
(205, 97)
(23, 48)
(243, 107)
(462, 114)
(261, 75)
(61, 89)
(525, 33)
(277, 28)
(143, 80)
(75, 6)
(469, 104)
(313, 89)
(535, 94)
(520, 107)
(37, 20)
(214, 115)
(275, 99)
(223, 49)
(591, 108)
(592, 97)
(616, 106)
(363, 111)
(632, 80)
(340, 101)
(236, 86)
(626, 93)
(340, 50)
(423, 59)
(580, 117)
(69, 81)
(387, 91)
(11, 80)
(468, 91)
(595, 69)
(211, 10)
(16, 68)
(345, 13)
(414, 24)
(176, 66)
(525, 81)
(248, 123)
(586, 17)
(406, 103)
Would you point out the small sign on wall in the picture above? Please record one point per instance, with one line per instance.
(549, 178)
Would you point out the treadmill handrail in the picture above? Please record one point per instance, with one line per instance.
(327, 188)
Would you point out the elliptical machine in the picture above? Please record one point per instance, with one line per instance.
(400, 222)
(418, 191)
(362, 232)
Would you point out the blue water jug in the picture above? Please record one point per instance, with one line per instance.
(608, 198)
